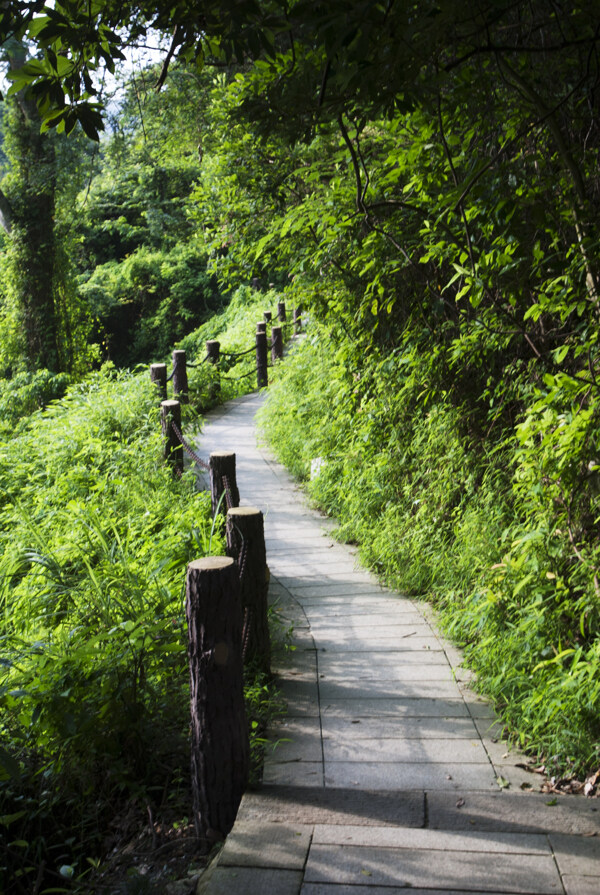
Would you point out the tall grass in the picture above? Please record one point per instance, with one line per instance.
(497, 528)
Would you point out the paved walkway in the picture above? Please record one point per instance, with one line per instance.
(389, 772)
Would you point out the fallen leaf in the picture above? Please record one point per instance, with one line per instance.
(502, 782)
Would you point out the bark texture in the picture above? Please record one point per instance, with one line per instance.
(220, 742)
(246, 543)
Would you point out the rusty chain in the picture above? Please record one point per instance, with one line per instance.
(189, 450)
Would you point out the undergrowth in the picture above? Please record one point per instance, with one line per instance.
(498, 529)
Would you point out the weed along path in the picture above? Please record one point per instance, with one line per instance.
(389, 772)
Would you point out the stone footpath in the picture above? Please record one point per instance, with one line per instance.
(389, 772)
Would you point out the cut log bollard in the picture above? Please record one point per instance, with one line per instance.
(297, 320)
(180, 381)
(261, 326)
(246, 543)
(222, 466)
(276, 343)
(262, 376)
(281, 311)
(213, 351)
(220, 745)
(170, 412)
(267, 316)
(158, 375)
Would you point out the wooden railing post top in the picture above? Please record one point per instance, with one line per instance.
(220, 454)
(158, 366)
(210, 564)
(178, 352)
(244, 511)
(169, 403)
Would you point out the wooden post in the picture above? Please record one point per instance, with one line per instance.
(276, 343)
(213, 351)
(222, 466)
(158, 375)
(170, 412)
(220, 744)
(281, 311)
(262, 376)
(261, 326)
(267, 316)
(246, 543)
(297, 320)
(180, 381)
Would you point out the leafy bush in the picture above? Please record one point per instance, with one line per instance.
(27, 392)
(94, 543)
(500, 533)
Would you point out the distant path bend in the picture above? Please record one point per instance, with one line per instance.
(389, 773)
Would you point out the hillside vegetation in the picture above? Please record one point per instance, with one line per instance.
(423, 179)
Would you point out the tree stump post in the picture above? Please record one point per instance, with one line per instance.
(170, 412)
(220, 754)
(281, 315)
(297, 320)
(267, 316)
(261, 326)
(158, 375)
(213, 354)
(276, 343)
(213, 351)
(222, 467)
(180, 380)
(262, 376)
(246, 543)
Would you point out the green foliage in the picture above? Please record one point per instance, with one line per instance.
(142, 269)
(27, 392)
(501, 536)
(235, 330)
(94, 544)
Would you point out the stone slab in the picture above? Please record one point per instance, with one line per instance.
(409, 728)
(518, 812)
(335, 889)
(410, 775)
(577, 855)
(295, 773)
(332, 588)
(430, 840)
(266, 845)
(436, 751)
(365, 645)
(385, 665)
(253, 881)
(578, 885)
(301, 696)
(450, 870)
(398, 708)
(404, 688)
(309, 805)
(296, 739)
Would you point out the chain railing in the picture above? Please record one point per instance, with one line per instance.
(280, 332)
